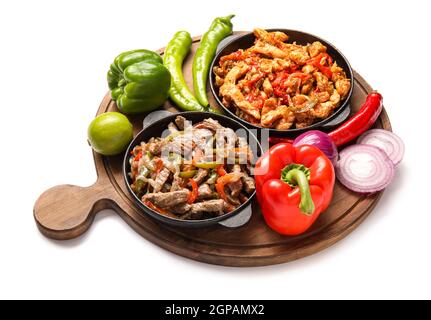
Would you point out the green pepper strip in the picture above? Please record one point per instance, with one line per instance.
(187, 174)
(220, 28)
(299, 175)
(175, 52)
(206, 165)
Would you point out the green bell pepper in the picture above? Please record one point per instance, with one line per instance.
(138, 80)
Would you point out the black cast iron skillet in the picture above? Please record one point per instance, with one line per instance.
(156, 129)
(247, 40)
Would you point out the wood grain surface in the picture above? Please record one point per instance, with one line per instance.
(65, 212)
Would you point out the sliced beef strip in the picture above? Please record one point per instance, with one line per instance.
(181, 122)
(225, 142)
(181, 209)
(200, 176)
(179, 147)
(202, 138)
(205, 192)
(168, 199)
(155, 146)
(177, 183)
(235, 187)
(211, 206)
(233, 200)
(249, 185)
(161, 179)
(209, 124)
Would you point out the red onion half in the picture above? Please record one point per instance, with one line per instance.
(320, 140)
(389, 142)
(364, 168)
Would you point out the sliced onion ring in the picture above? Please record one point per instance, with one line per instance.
(364, 168)
(388, 141)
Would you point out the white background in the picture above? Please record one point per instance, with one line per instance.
(54, 56)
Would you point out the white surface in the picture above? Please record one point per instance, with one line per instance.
(54, 57)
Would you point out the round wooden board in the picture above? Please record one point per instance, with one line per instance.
(65, 212)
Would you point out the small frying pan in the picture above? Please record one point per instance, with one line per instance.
(155, 129)
(244, 41)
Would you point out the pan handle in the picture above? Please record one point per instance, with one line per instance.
(66, 211)
(155, 116)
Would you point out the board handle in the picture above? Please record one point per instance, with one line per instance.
(67, 211)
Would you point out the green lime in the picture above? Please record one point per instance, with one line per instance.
(110, 133)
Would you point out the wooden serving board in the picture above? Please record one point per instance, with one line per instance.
(66, 211)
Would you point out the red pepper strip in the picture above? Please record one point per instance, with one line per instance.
(294, 185)
(252, 82)
(150, 205)
(159, 164)
(319, 58)
(355, 126)
(221, 171)
(193, 195)
(300, 75)
(236, 56)
(138, 156)
(325, 70)
(360, 122)
(224, 180)
(316, 62)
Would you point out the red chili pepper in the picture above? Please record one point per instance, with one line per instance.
(138, 156)
(355, 126)
(360, 122)
(294, 185)
(221, 171)
(193, 195)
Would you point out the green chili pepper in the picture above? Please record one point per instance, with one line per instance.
(173, 58)
(220, 28)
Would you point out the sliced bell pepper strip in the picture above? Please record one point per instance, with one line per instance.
(224, 180)
(206, 165)
(138, 156)
(151, 205)
(193, 195)
(187, 174)
(221, 171)
(317, 62)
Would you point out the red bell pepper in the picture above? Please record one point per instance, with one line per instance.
(193, 195)
(317, 62)
(294, 185)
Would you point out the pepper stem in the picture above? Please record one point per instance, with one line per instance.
(299, 175)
